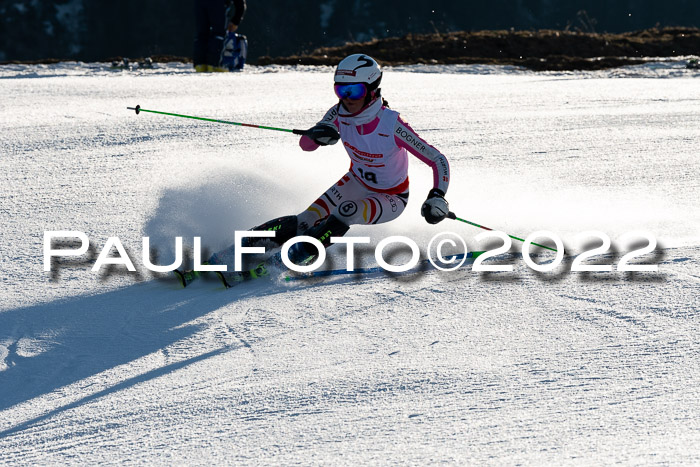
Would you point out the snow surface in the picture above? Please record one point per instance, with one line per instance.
(459, 367)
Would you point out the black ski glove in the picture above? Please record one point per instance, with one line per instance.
(323, 134)
(435, 208)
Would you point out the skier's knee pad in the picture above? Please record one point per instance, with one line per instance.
(284, 228)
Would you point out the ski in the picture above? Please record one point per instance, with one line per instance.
(228, 279)
(376, 269)
(231, 279)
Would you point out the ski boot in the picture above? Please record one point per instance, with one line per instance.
(186, 277)
(230, 279)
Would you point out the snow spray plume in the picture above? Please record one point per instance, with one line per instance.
(139, 109)
(452, 215)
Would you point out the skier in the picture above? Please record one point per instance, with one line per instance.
(374, 190)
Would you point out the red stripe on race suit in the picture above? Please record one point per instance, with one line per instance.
(323, 205)
(373, 210)
(398, 189)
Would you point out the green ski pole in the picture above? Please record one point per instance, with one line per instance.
(138, 109)
(452, 215)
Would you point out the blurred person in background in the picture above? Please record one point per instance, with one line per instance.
(213, 19)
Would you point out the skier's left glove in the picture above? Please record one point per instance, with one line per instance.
(435, 208)
(323, 135)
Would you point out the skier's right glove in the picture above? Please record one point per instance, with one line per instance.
(435, 208)
(323, 135)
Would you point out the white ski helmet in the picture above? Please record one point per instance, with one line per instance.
(359, 68)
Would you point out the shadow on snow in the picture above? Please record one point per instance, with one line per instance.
(84, 336)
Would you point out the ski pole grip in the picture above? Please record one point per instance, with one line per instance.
(299, 132)
(451, 215)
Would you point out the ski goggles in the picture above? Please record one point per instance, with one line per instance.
(350, 91)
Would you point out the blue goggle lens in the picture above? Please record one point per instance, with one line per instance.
(350, 91)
